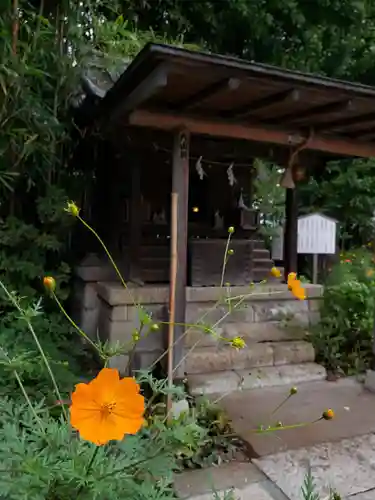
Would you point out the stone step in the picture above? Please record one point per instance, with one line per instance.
(262, 274)
(255, 354)
(269, 376)
(261, 253)
(269, 331)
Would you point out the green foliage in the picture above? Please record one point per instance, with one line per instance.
(346, 192)
(269, 197)
(217, 444)
(30, 251)
(47, 461)
(67, 356)
(343, 339)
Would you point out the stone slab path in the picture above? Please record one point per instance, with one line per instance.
(347, 466)
(340, 453)
(245, 480)
(354, 414)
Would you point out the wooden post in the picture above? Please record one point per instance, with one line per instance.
(172, 295)
(290, 232)
(135, 226)
(180, 188)
(315, 268)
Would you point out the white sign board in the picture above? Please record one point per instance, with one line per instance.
(316, 234)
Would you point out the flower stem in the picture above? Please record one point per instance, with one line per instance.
(74, 324)
(88, 469)
(225, 261)
(108, 253)
(28, 401)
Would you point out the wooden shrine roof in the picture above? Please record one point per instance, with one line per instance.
(166, 87)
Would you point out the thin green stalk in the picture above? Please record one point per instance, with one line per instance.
(132, 350)
(225, 260)
(74, 324)
(108, 253)
(281, 404)
(199, 340)
(163, 354)
(28, 401)
(38, 344)
(285, 427)
(93, 456)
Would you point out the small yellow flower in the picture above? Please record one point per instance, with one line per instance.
(328, 414)
(291, 278)
(276, 272)
(238, 343)
(72, 209)
(49, 283)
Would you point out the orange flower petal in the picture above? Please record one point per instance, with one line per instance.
(107, 408)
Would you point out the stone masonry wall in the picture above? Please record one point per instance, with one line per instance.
(118, 316)
(263, 303)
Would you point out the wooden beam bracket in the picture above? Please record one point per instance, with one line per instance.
(256, 133)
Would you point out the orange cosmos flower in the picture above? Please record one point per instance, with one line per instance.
(107, 408)
(295, 287)
(297, 290)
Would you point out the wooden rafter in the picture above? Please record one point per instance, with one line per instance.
(265, 102)
(213, 89)
(348, 122)
(335, 107)
(257, 133)
(156, 80)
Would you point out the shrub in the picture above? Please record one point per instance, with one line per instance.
(343, 339)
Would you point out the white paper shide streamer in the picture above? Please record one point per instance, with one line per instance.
(198, 167)
(231, 178)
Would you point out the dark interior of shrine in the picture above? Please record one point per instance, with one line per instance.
(134, 175)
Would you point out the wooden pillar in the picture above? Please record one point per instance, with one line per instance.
(135, 222)
(180, 186)
(290, 232)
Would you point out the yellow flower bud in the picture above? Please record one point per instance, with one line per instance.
(328, 414)
(72, 209)
(293, 391)
(276, 272)
(238, 343)
(49, 283)
(231, 230)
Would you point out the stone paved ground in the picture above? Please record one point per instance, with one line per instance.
(347, 466)
(354, 408)
(341, 453)
(244, 479)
